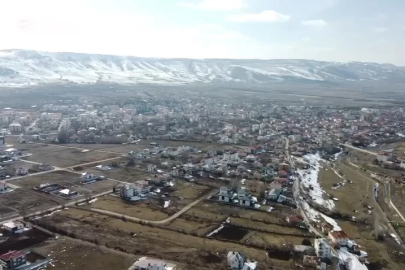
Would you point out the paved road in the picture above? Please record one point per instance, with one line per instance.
(376, 207)
(389, 186)
(164, 221)
(360, 149)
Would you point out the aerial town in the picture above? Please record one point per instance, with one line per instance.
(178, 182)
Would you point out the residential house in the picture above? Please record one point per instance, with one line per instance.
(225, 194)
(275, 185)
(146, 263)
(282, 174)
(3, 186)
(13, 226)
(13, 259)
(338, 237)
(310, 261)
(237, 261)
(244, 197)
(152, 168)
(323, 248)
(274, 194)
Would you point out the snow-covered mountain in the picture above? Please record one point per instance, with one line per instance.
(24, 67)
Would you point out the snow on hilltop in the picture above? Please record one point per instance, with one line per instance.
(24, 67)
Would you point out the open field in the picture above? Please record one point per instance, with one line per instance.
(353, 198)
(26, 202)
(270, 228)
(266, 239)
(66, 179)
(70, 254)
(187, 192)
(145, 210)
(147, 240)
(397, 197)
(218, 212)
(22, 241)
(125, 174)
(63, 157)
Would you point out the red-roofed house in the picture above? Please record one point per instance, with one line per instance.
(282, 173)
(282, 181)
(338, 237)
(13, 259)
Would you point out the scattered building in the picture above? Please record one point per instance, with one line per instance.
(146, 263)
(238, 261)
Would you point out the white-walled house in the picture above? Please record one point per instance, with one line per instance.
(323, 248)
(238, 261)
(3, 186)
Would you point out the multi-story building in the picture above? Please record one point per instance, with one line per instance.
(323, 248)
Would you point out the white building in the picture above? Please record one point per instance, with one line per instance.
(323, 248)
(238, 261)
(146, 263)
(224, 194)
(12, 226)
(383, 157)
(15, 128)
(3, 186)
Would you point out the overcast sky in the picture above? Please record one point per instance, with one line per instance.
(337, 30)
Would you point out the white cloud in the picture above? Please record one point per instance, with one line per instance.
(306, 39)
(214, 4)
(381, 29)
(315, 23)
(264, 16)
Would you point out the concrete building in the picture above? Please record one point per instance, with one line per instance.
(13, 259)
(15, 128)
(237, 261)
(323, 248)
(146, 263)
(225, 194)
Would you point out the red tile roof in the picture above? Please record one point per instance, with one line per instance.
(11, 255)
(339, 234)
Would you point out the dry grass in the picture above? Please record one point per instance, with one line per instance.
(64, 157)
(153, 241)
(66, 179)
(70, 254)
(352, 197)
(266, 239)
(188, 191)
(271, 228)
(139, 209)
(26, 202)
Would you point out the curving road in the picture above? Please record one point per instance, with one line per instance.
(164, 221)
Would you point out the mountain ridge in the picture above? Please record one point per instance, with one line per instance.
(29, 67)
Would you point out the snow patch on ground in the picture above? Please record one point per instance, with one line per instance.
(332, 222)
(309, 178)
(312, 214)
(351, 260)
